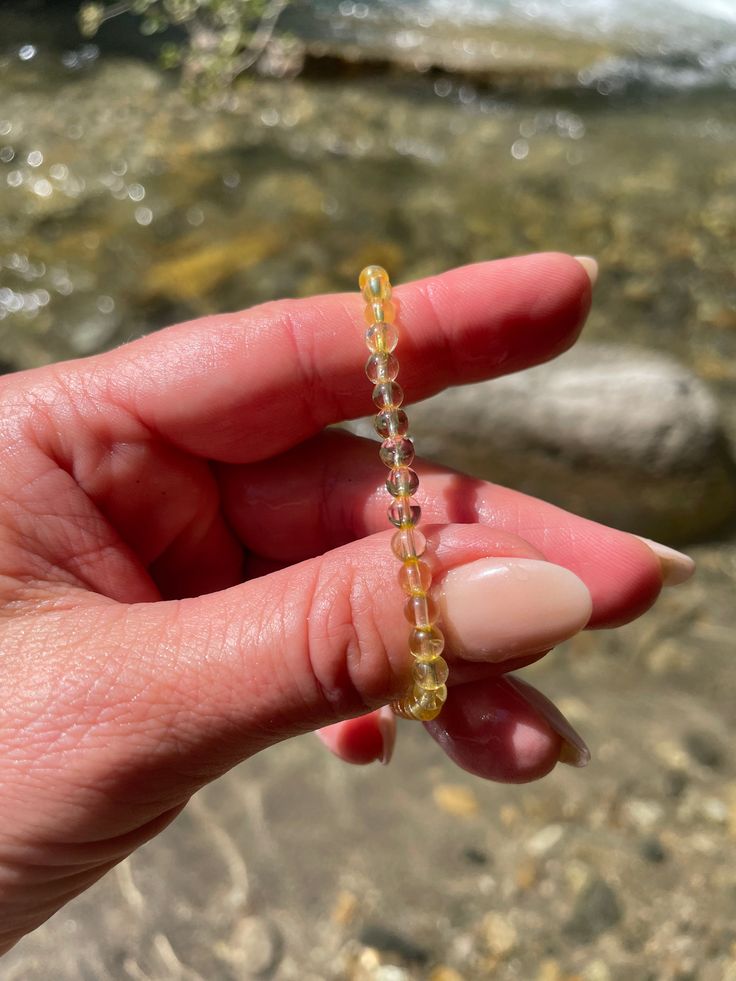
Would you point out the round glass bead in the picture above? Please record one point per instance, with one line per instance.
(402, 482)
(381, 337)
(425, 705)
(381, 367)
(391, 422)
(374, 283)
(431, 675)
(426, 644)
(415, 576)
(380, 312)
(397, 452)
(421, 610)
(388, 395)
(408, 543)
(404, 513)
(431, 699)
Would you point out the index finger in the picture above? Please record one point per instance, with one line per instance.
(240, 387)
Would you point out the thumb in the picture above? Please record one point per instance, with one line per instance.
(134, 707)
(145, 703)
(327, 639)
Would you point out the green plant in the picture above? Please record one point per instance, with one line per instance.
(224, 38)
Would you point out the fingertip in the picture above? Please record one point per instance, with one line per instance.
(491, 731)
(358, 741)
(626, 581)
(498, 316)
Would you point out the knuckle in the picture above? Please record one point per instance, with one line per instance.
(347, 646)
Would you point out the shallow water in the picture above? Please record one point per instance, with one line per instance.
(124, 207)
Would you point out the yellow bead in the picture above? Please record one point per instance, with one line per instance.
(396, 452)
(404, 513)
(424, 705)
(380, 312)
(426, 696)
(415, 576)
(421, 610)
(426, 644)
(402, 482)
(431, 675)
(381, 367)
(391, 422)
(374, 284)
(408, 543)
(388, 395)
(381, 337)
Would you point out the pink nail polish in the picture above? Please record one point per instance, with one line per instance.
(590, 265)
(387, 727)
(497, 608)
(676, 566)
(573, 750)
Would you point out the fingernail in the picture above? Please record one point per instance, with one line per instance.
(496, 608)
(573, 751)
(590, 265)
(676, 566)
(387, 727)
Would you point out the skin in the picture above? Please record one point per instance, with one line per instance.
(192, 571)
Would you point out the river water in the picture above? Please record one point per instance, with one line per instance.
(599, 127)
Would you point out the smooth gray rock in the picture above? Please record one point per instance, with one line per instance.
(622, 435)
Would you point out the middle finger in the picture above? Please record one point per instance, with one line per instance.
(329, 491)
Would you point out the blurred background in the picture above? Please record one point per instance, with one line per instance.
(196, 157)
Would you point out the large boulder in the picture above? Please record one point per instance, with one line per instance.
(622, 435)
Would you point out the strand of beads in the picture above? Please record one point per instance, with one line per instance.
(426, 696)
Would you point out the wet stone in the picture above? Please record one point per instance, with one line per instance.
(704, 749)
(391, 942)
(475, 856)
(597, 909)
(623, 436)
(653, 851)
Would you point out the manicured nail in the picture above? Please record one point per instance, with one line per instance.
(590, 265)
(493, 609)
(573, 750)
(676, 566)
(387, 727)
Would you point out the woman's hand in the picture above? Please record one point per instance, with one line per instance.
(192, 570)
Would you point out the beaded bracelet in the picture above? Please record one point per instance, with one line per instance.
(426, 696)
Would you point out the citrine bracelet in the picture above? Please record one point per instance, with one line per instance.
(424, 699)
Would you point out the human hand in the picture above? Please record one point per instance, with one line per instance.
(193, 571)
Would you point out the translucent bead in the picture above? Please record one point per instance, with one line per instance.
(381, 337)
(421, 610)
(380, 312)
(431, 675)
(402, 482)
(388, 395)
(381, 367)
(426, 705)
(374, 283)
(415, 576)
(397, 452)
(391, 422)
(408, 543)
(426, 644)
(404, 513)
